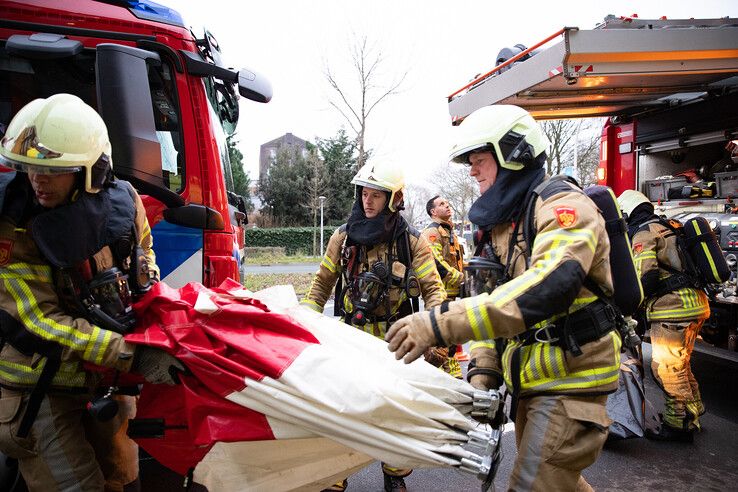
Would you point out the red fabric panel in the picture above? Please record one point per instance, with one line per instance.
(241, 339)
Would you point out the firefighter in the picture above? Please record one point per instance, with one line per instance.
(449, 256)
(69, 235)
(543, 329)
(675, 310)
(378, 265)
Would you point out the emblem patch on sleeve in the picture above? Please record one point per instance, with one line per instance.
(432, 237)
(638, 248)
(6, 248)
(566, 216)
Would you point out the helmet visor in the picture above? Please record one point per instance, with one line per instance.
(371, 184)
(25, 167)
(461, 156)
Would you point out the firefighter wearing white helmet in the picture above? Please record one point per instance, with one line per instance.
(72, 238)
(378, 266)
(675, 310)
(542, 326)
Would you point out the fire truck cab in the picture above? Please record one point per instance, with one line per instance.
(168, 102)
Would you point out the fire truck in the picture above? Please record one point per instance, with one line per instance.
(168, 102)
(669, 90)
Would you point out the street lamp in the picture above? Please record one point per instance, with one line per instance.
(322, 200)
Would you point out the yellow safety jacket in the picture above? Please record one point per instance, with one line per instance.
(655, 250)
(332, 266)
(28, 295)
(570, 244)
(449, 255)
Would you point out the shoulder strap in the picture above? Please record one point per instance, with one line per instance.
(548, 188)
(404, 254)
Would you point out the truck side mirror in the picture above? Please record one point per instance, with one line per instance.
(122, 80)
(253, 86)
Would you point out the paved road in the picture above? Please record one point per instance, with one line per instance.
(282, 268)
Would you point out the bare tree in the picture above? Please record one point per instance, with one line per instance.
(561, 134)
(574, 144)
(460, 189)
(416, 196)
(357, 103)
(588, 153)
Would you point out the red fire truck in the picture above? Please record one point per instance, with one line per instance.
(670, 91)
(168, 102)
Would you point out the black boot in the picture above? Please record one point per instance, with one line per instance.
(394, 484)
(668, 433)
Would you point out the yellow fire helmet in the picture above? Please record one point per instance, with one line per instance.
(381, 176)
(630, 199)
(509, 132)
(57, 135)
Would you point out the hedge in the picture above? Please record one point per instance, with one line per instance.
(293, 239)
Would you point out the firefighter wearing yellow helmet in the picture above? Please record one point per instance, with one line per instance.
(675, 310)
(378, 266)
(540, 324)
(70, 235)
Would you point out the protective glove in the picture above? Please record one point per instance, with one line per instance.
(484, 382)
(157, 366)
(410, 336)
(483, 373)
(442, 326)
(436, 356)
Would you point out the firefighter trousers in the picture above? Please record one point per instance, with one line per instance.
(672, 344)
(557, 437)
(67, 449)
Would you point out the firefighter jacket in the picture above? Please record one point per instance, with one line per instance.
(30, 303)
(334, 265)
(449, 255)
(657, 256)
(570, 244)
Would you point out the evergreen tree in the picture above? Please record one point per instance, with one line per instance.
(241, 180)
(339, 160)
(284, 189)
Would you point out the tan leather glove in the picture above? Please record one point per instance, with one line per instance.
(484, 371)
(484, 382)
(410, 336)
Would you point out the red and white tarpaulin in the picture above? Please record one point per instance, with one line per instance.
(270, 380)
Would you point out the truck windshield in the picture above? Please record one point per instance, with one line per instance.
(23, 80)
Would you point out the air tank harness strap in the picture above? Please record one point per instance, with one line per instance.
(570, 332)
(677, 280)
(51, 367)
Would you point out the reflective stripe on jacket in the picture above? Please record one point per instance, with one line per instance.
(655, 246)
(27, 294)
(330, 268)
(570, 244)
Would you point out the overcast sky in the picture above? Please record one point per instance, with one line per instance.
(440, 44)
